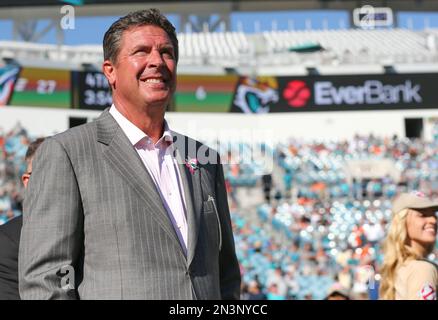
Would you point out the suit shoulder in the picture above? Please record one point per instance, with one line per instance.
(75, 133)
(74, 142)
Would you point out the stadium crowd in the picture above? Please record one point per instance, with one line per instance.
(320, 230)
(316, 229)
(13, 147)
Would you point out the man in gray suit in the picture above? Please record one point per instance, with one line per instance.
(123, 207)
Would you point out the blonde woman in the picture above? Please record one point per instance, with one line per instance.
(406, 274)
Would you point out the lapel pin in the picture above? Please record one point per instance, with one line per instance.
(192, 164)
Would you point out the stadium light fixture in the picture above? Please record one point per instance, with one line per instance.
(230, 70)
(312, 71)
(389, 69)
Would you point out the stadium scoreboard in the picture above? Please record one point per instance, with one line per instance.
(92, 90)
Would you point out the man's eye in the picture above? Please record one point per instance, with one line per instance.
(140, 51)
(168, 54)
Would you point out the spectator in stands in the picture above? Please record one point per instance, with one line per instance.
(308, 252)
(274, 293)
(136, 210)
(294, 252)
(276, 277)
(406, 272)
(267, 186)
(362, 276)
(278, 196)
(255, 291)
(321, 258)
(287, 180)
(10, 239)
(374, 233)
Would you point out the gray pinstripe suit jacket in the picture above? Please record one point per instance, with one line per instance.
(92, 205)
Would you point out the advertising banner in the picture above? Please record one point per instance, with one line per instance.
(204, 93)
(42, 87)
(336, 93)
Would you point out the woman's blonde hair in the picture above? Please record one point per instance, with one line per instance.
(396, 251)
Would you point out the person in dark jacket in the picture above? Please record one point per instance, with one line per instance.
(10, 238)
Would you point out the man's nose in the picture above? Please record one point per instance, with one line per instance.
(155, 58)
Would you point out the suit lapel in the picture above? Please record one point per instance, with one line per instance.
(124, 159)
(192, 191)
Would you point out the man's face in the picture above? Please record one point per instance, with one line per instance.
(144, 74)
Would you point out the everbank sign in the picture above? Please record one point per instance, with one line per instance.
(371, 92)
(361, 92)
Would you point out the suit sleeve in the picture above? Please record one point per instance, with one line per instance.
(422, 281)
(51, 238)
(228, 264)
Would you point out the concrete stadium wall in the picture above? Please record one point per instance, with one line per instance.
(237, 127)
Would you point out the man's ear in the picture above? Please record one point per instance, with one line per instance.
(25, 179)
(110, 72)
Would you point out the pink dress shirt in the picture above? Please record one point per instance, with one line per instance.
(163, 168)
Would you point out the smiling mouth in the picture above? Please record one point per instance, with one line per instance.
(153, 80)
(430, 229)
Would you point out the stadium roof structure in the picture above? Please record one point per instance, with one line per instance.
(357, 51)
(231, 46)
(11, 9)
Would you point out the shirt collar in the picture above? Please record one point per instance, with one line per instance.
(167, 133)
(134, 134)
